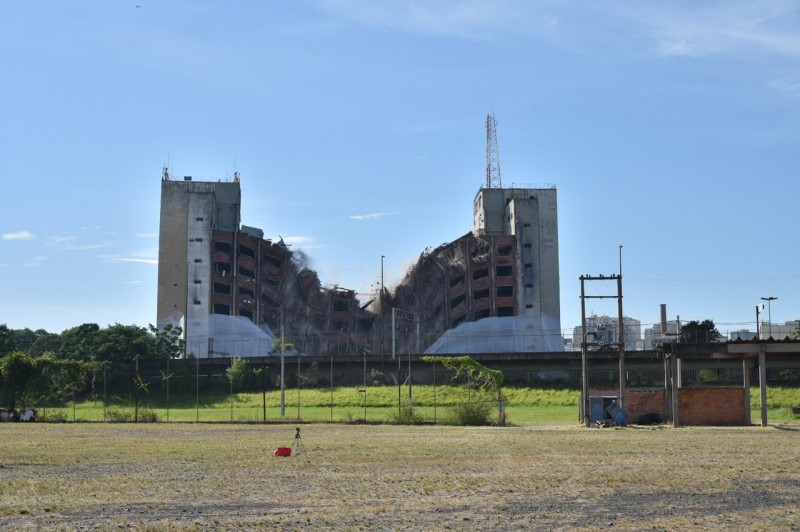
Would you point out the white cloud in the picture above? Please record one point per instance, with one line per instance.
(67, 243)
(116, 259)
(370, 216)
(145, 235)
(724, 28)
(459, 18)
(36, 261)
(19, 235)
(785, 85)
(61, 239)
(148, 256)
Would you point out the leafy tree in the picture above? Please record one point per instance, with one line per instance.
(236, 372)
(79, 343)
(45, 343)
(6, 340)
(700, 331)
(23, 339)
(17, 369)
(167, 343)
(123, 343)
(485, 378)
(64, 378)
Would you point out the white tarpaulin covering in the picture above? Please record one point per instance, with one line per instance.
(513, 334)
(232, 336)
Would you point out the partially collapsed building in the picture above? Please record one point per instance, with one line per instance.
(495, 289)
(231, 290)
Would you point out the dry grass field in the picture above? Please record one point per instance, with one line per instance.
(356, 477)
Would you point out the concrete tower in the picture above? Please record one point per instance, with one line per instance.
(190, 212)
(530, 215)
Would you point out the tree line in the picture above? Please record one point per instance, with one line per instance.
(54, 367)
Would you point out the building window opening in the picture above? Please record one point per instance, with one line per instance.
(246, 292)
(456, 280)
(246, 313)
(220, 308)
(220, 288)
(223, 247)
(457, 301)
(480, 274)
(222, 268)
(504, 271)
(247, 273)
(504, 251)
(505, 291)
(481, 294)
(483, 313)
(244, 250)
(505, 311)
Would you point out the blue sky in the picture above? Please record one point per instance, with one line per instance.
(670, 128)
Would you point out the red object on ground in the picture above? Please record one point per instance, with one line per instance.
(283, 451)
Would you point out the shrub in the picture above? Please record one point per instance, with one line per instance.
(119, 415)
(126, 415)
(405, 416)
(378, 377)
(147, 416)
(471, 414)
(53, 416)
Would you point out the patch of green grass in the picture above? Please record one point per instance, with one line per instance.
(524, 405)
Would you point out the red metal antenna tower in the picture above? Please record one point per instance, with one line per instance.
(492, 154)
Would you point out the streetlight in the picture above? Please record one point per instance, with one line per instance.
(769, 301)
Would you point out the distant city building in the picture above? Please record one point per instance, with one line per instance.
(606, 329)
(654, 338)
(741, 334)
(779, 331)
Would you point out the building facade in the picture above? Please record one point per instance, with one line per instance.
(497, 287)
(232, 291)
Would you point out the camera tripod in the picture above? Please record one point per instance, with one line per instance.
(297, 444)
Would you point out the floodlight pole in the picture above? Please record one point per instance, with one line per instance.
(283, 375)
(769, 301)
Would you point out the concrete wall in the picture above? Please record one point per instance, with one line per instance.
(172, 241)
(712, 406)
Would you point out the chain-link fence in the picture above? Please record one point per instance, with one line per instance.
(339, 389)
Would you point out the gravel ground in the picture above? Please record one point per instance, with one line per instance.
(172, 476)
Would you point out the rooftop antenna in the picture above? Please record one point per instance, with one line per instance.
(492, 154)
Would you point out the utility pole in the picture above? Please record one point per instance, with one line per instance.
(585, 344)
